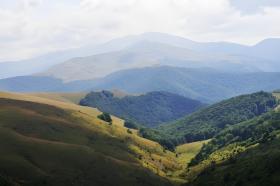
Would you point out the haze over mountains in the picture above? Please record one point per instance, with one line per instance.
(206, 85)
(162, 49)
(146, 50)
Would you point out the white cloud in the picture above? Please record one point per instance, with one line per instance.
(34, 27)
(252, 6)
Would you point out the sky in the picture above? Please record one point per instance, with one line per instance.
(31, 28)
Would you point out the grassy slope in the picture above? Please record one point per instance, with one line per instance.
(187, 151)
(184, 154)
(45, 141)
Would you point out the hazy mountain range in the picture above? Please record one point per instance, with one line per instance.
(160, 49)
(204, 84)
(146, 50)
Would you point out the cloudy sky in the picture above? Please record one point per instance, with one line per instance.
(33, 27)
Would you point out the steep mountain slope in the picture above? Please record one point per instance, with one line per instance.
(207, 122)
(48, 142)
(149, 110)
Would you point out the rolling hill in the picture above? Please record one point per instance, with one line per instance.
(148, 110)
(50, 142)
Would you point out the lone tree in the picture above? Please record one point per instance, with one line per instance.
(131, 125)
(105, 117)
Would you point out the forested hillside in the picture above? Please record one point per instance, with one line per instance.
(244, 154)
(257, 166)
(257, 130)
(149, 109)
(207, 122)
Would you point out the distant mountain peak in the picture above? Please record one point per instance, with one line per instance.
(269, 41)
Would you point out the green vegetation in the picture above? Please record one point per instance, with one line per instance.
(131, 125)
(158, 136)
(207, 122)
(258, 130)
(148, 110)
(243, 154)
(105, 117)
(257, 166)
